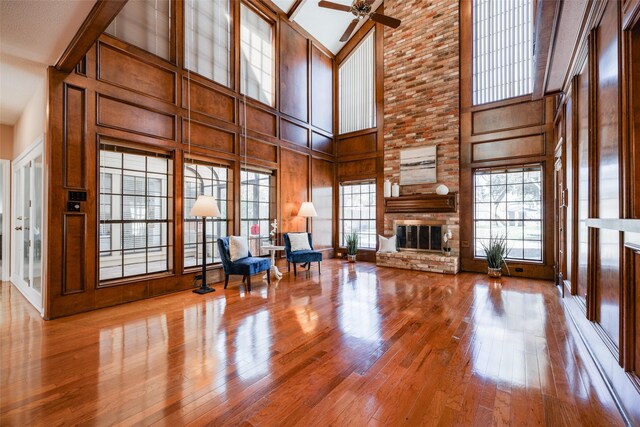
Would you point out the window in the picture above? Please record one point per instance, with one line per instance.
(502, 50)
(145, 24)
(508, 203)
(208, 38)
(256, 52)
(356, 86)
(200, 178)
(358, 212)
(134, 212)
(257, 207)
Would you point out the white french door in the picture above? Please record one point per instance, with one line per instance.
(27, 196)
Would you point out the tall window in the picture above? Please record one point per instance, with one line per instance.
(146, 24)
(256, 55)
(257, 207)
(508, 203)
(502, 49)
(134, 212)
(358, 212)
(208, 38)
(356, 86)
(208, 180)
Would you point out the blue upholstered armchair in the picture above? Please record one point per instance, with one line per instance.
(301, 257)
(245, 267)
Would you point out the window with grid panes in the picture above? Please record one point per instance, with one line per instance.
(358, 212)
(135, 202)
(257, 208)
(209, 180)
(208, 38)
(502, 49)
(508, 203)
(256, 56)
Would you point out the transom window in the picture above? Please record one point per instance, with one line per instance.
(256, 55)
(208, 38)
(508, 203)
(356, 88)
(208, 180)
(358, 212)
(257, 207)
(502, 49)
(145, 24)
(134, 212)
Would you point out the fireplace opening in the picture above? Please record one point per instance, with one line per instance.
(417, 235)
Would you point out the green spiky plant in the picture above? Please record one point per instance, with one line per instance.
(352, 243)
(496, 252)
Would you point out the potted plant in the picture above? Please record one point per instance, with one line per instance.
(352, 246)
(446, 238)
(496, 252)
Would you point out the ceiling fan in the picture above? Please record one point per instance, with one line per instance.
(361, 9)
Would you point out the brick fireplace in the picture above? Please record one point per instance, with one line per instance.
(421, 83)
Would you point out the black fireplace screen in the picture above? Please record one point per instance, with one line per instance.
(419, 237)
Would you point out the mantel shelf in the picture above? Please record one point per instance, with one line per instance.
(422, 203)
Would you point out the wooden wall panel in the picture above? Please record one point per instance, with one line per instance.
(321, 143)
(294, 133)
(137, 119)
(125, 70)
(357, 144)
(366, 167)
(583, 182)
(207, 101)
(294, 184)
(208, 136)
(260, 150)
(322, 173)
(528, 146)
(570, 171)
(294, 72)
(508, 117)
(75, 136)
(321, 90)
(74, 249)
(259, 120)
(608, 161)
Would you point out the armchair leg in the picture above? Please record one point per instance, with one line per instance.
(248, 282)
(244, 279)
(226, 280)
(295, 270)
(319, 271)
(288, 266)
(268, 277)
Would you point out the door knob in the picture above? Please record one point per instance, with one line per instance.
(18, 228)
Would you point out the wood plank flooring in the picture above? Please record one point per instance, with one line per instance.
(358, 345)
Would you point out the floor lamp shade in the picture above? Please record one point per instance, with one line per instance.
(205, 206)
(307, 210)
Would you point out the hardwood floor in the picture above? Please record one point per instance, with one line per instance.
(359, 345)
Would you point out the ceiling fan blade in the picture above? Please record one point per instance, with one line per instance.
(336, 6)
(385, 20)
(370, 2)
(349, 30)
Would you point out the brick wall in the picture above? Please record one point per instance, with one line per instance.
(421, 87)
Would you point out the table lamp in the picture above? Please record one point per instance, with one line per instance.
(205, 206)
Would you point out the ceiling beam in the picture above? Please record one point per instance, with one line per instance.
(103, 12)
(547, 14)
(295, 8)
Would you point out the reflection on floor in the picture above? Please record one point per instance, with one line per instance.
(358, 345)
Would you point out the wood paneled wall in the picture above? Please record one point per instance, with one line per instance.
(120, 92)
(512, 132)
(598, 124)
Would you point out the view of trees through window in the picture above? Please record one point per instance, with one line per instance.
(508, 203)
(257, 208)
(358, 212)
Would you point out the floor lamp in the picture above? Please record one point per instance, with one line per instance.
(205, 206)
(307, 210)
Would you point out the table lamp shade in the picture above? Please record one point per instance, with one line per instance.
(205, 206)
(307, 210)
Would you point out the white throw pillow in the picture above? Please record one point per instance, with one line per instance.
(387, 244)
(238, 247)
(299, 242)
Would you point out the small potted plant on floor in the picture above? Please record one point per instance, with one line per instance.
(352, 246)
(496, 252)
(446, 238)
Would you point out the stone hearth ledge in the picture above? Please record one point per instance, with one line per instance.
(421, 261)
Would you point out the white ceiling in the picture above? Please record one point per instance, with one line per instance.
(567, 32)
(33, 35)
(326, 25)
